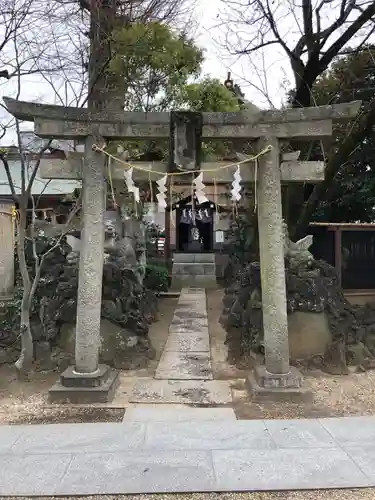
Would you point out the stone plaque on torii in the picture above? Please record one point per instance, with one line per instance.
(267, 128)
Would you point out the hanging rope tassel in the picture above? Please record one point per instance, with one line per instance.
(152, 205)
(172, 221)
(216, 199)
(255, 185)
(109, 165)
(192, 199)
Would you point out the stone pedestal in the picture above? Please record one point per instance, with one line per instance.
(76, 388)
(265, 386)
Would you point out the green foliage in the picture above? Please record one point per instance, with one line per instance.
(241, 244)
(153, 232)
(351, 195)
(241, 237)
(208, 94)
(155, 63)
(157, 278)
(159, 68)
(10, 312)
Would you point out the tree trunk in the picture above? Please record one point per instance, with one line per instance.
(295, 192)
(24, 362)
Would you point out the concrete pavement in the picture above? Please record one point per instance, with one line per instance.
(186, 456)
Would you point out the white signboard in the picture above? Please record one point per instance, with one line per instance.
(219, 236)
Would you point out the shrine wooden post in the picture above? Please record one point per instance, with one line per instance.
(266, 128)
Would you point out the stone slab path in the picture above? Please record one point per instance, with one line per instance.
(221, 455)
(184, 373)
(187, 353)
(212, 392)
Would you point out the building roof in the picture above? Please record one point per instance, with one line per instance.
(40, 186)
(32, 144)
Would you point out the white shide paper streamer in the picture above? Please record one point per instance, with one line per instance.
(161, 196)
(199, 189)
(236, 185)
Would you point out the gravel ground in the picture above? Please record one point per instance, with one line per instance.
(61, 415)
(334, 396)
(363, 494)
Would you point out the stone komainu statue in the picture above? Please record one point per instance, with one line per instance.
(297, 253)
(124, 245)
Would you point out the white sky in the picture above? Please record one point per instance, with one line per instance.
(210, 36)
(270, 70)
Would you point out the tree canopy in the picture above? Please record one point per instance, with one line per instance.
(208, 94)
(160, 70)
(154, 62)
(351, 194)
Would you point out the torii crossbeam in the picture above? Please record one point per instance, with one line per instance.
(266, 128)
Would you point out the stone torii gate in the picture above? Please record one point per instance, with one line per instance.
(266, 128)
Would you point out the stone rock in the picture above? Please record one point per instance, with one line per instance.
(126, 302)
(8, 355)
(322, 323)
(43, 355)
(370, 343)
(335, 359)
(357, 354)
(309, 334)
(119, 347)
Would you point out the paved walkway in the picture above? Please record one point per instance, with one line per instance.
(184, 374)
(177, 449)
(187, 355)
(156, 457)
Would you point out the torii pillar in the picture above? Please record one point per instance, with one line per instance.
(276, 378)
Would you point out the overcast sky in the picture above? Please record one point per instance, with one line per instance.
(269, 73)
(250, 72)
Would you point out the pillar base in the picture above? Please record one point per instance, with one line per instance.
(265, 386)
(76, 388)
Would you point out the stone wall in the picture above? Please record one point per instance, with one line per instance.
(128, 309)
(325, 330)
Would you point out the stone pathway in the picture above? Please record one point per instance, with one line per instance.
(184, 373)
(143, 456)
(187, 352)
(164, 447)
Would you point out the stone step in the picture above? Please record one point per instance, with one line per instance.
(202, 280)
(192, 291)
(149, 413)
(194, 321)
(201, 258)
(202, 393)
(184, 366)
(193, 268)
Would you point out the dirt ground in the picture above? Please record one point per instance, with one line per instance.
(26, 402)
(334, 396)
